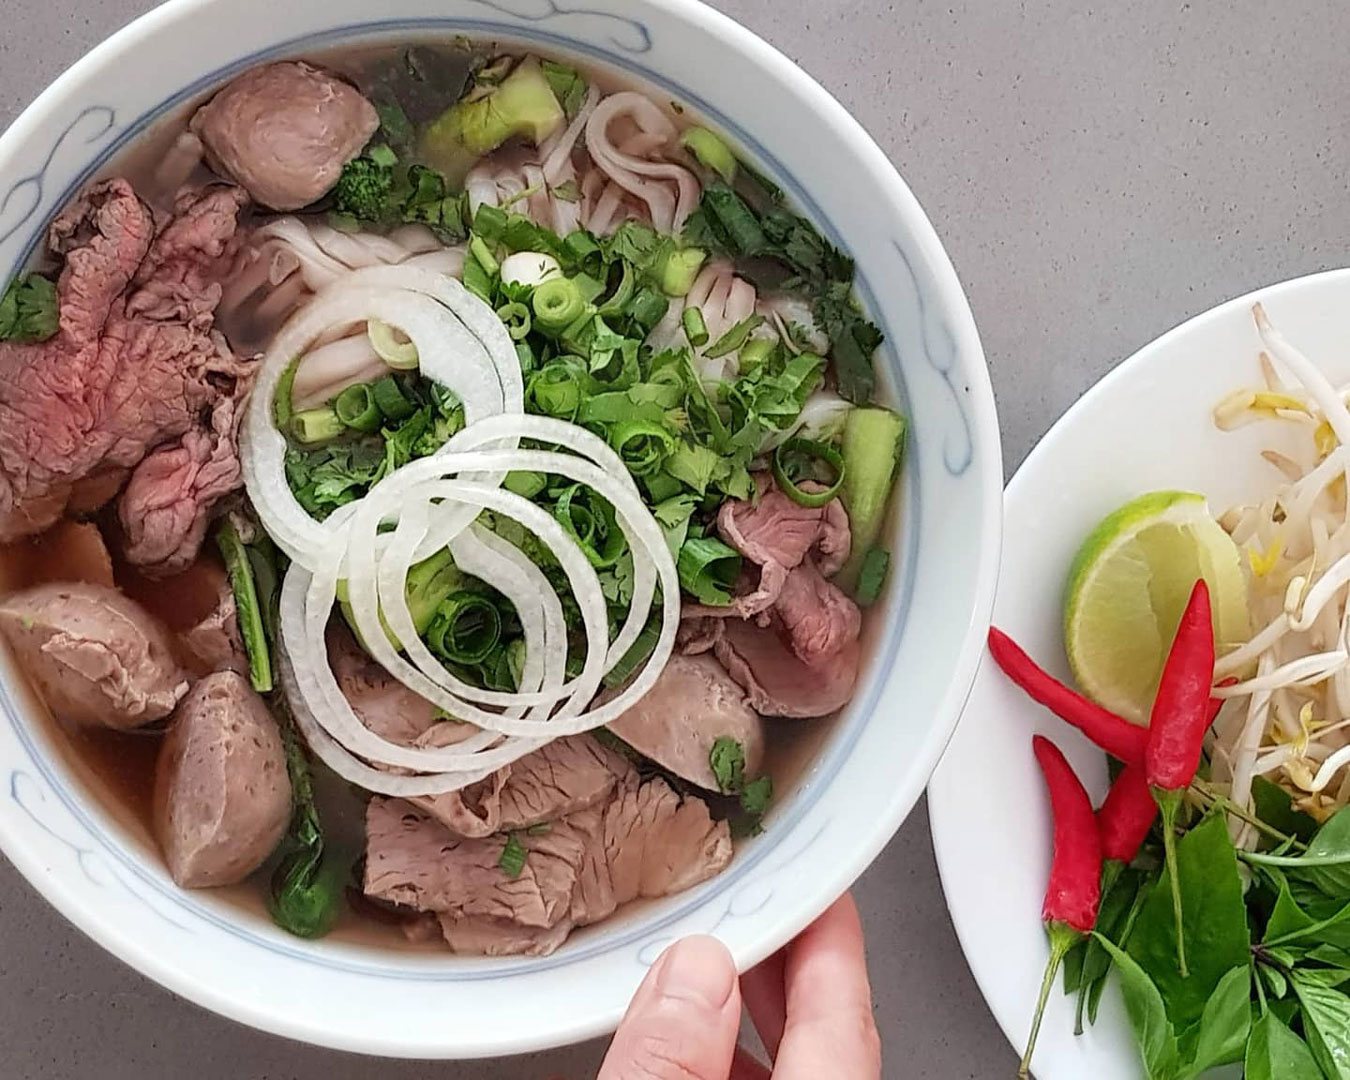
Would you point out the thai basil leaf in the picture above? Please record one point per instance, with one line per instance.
(1276, 1053)
(1148, 1015)
(1215, 922)
(1225, 1023)
(1275, 807)
(1326, 1023)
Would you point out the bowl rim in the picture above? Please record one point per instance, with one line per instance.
(983, 422)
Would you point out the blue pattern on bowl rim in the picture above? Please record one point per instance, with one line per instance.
(728, 896)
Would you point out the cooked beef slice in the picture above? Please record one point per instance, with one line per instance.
(134, 365)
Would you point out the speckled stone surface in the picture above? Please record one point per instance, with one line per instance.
(1098, 173)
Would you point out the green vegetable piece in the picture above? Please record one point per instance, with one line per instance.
(756, 796)
(643, 444)
(1276, 1053)
(635, 657)
(365, 187)
(556, 390)
(483, 256)
(648, 308)
(568, 86)
(735, 220)
(695, 329)
(516, 318)
(525, 484)
(1148, 1016)
(617, 302)
(754, 354)
(708, 568)
(395, 124)
(304, 895)
(1225, 1024)
(726, 757)
(787, 469)
(30, 310)
(522, 104)
(872, 578)
(557, 303)
(873, 442)
(710, 151)
(248, 609)
(1214, 921)
(316, 425)
(466, 628)
(1275, 807)
(514, 854)
(1326, 863)
(283, 407)
(356, 408)
(590, 521)
(1326, 1023)
(678, 269)
(393, 404)
(391, 345)
(429, 584)
(1287, 920)
(735, 337)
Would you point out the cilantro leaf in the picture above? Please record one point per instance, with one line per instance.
(29, 310)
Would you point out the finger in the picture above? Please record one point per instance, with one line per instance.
(745, 1067)
(830, 1028)
(684, 1019)
(765, 999)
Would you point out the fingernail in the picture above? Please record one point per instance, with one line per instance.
(698, 970)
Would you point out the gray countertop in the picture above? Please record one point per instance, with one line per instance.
(1098, 173)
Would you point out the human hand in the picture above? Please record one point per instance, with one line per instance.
(810, 1002)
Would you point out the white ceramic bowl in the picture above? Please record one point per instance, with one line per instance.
(1147, 426)
(106, 877)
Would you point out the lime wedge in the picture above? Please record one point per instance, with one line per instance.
(1128, 586)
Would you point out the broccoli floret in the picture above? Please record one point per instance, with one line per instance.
(363, 190)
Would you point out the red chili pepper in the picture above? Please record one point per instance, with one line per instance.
(1114, 734)
(1125, 817)
(1074, 893)
(1181, 716)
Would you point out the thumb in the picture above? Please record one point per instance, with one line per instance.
(683, 1021)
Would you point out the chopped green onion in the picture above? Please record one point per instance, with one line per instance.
(642, 444)
(695, 329)
(755, 353)
(618, 300)
(589, 519)
(589, 287)
(557, 304)
(708, 569)
(736, 219)
(512, 861)
(648, 308)
(392, 347)
(516, 317)
(635, 657)
(356, 408)
(248, 608)
(556, 390)
(282, 405)
(515, 661)
(580, 245)
(466, 628)
(679, 269)
(483, 256)
(316, 425)
(390, 400)
(525, 484)
(872, 577)
(710, 151)
(734, 338)
(808, 449)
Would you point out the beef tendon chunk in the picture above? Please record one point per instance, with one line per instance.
(222, 794)
(95, 656)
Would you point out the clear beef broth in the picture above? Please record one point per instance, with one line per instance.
(119, 768)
